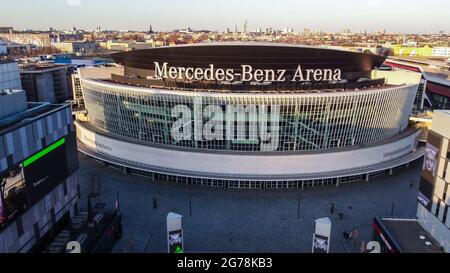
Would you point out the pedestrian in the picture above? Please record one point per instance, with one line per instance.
(362, 248)
(341, 215)
(332, 208)
(345, 235)
(355, 236)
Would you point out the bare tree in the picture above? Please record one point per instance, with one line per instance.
(92, 178)
(96, 183)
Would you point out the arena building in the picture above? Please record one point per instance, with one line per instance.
(245, 115)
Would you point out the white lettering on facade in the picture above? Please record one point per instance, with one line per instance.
(246, 74)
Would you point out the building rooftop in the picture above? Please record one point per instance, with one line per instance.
(421, 60)
(429, 71)
(265, 44)
(34, 68)
(437, 76)
(12, 102)
(35, 110)
(410, 236)
(252, 88)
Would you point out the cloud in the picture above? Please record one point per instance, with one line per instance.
(73, 2)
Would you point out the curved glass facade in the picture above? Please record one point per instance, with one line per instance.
(305, 121)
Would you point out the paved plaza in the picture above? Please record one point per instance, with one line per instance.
(247, 220)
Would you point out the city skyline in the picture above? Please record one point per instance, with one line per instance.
(369, 15)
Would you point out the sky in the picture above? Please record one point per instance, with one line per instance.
(401, 16)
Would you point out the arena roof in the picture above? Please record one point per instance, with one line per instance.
(258, 55)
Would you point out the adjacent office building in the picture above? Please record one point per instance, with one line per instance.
(434, 88)
(79, 48)
(430, 231)
(46, 83)
(6, 30)
(78, 100)
(245, 115)
(15, 49)
(38, 161)
(434, 192)
(77, 91)
(38, 39)
(441, 51)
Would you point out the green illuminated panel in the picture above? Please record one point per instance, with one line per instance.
(44, 152)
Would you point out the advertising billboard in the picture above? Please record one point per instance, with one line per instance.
(176, 241)
(175, 233)
(45, 170)
(321, 235)
(426, 187)
(320, 244)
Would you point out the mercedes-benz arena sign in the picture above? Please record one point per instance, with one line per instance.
(247, 116)
(247, 73)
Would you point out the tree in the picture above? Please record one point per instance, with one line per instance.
(95, 182)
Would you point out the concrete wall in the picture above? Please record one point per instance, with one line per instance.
(246, 164)
(441, 122)
(10, 76)
(45, 87)
(398, 77)
(12, 102)
(102, 73)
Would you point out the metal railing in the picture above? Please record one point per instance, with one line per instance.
(247, 86)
